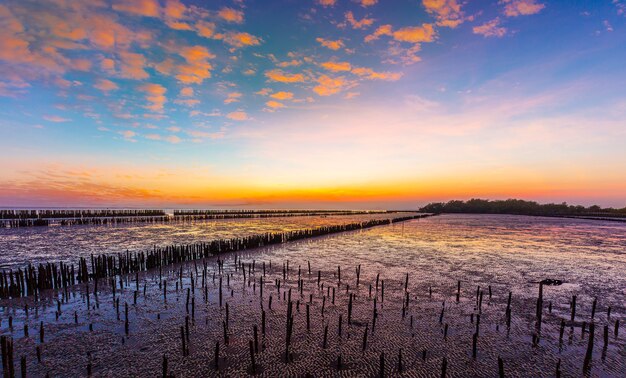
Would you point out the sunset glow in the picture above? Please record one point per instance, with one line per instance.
(312, 104)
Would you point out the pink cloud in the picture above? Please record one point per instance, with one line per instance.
(490, 29)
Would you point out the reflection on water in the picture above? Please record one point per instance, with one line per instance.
(19, 246)
(496, 253)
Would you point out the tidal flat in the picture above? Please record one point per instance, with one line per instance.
(454, 295)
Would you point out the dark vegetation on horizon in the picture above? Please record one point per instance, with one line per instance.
(521, 207)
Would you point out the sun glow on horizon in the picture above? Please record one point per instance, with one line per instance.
(303, 104)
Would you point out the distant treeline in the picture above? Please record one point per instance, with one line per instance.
(521, 207)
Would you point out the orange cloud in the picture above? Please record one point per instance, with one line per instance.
(147, 8)
(282, 95)
(290, 63)
(415, 34)
(174, 9)
(402, 55)
(275, 104)
(327, 3)
(447, 12)
(233, 97)
(231, 15)
(514, 8)
(381, 30)
(186, 92)
(238, 116)
(333, 45)
(370, 74)
(177, 25)
(239, 39)
(105, 85)
(132, 66)
(328, 86)
(490, 29)
(197, 67)
(356, 24)
(155, 94)
(205, 29)
(336, 66)
(282, 77)
(368, 3)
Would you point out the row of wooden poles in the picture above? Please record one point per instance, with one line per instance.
(369, 329)
(77, 213)
(31, 218)
(31, 280)
(379, 287)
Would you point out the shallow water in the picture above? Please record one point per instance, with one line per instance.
(506, 253)
(20, 246)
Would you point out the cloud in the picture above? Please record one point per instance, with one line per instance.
(187, 101)
(275, 104)
(370, 74)
(197, 67)
(356, 24)
(131, 66)
(153, 136)
(174, 9)
(205, 134)
(490, 29)
(233, 97)
(399, 54)
(330, 44)
(177, 25)
(238, 116)
(105, 85)
(147, 8)
(231, 15)
(290, 63)
(368, 3)
(239, 39)
(328, 85)
(174, 139)
(381, 30)
(186, 92)
(336, 66)
(411, 34)
(283, 77)
(54, 118)
(419, 104)
(155, 95)
(514, 8)
(128, 135)
(327, 3)
(447, 12)
(282, 95)
(415, 34)
(205, 29)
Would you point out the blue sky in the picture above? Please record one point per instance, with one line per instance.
(311, 103)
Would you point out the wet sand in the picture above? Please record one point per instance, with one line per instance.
(504, 253)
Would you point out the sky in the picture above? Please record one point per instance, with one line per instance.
(378, 104)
